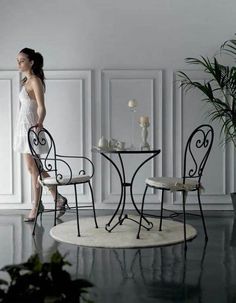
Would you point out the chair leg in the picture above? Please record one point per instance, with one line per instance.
(141, 213)
(184, 201)
(203, 220)
(41, 213)
(38, 208)
(162, 200)
(77, 212)
(94, 212)
(55, 209)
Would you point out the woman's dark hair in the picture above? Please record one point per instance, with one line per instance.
(37, 67)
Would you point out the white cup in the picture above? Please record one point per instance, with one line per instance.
(112, 143)
(120, 145)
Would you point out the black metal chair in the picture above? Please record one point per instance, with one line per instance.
(196, 153)
(60, 169)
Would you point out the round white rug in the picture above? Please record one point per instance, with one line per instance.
(123, 236)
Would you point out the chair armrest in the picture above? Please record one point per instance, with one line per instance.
(79, 157)
(59, 165)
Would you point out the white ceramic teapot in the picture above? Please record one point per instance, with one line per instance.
(103, 143)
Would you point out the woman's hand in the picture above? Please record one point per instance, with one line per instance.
(39, 126)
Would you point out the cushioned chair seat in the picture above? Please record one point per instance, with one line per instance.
(173, 184)
(65, 180)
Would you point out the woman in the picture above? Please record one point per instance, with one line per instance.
(32, 112)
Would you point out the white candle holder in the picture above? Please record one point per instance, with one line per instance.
(144, 135)
(132, 104)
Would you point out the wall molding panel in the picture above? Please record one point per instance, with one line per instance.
(68, 102)
(117, 87)
(10, 165)
(184, 121)
(68, 97)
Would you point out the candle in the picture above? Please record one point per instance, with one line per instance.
(144, 120)
(132, 103)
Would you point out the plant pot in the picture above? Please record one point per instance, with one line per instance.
(233, 198)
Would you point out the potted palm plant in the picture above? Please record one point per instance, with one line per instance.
(219, 91)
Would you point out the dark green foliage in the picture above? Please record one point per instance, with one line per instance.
(219, 91)
(38, 282)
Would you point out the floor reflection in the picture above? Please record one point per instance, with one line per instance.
(207, 274)
(144, 275)
(233, 234)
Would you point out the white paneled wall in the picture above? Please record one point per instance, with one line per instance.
(71, 119)
(97, 56)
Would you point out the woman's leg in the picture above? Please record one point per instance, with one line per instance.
(32, 168)
(61, 201)
(51, 188)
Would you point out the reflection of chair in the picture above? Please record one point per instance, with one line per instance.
(162, 274)
(61, 170)
(196, 153)
(178, 279)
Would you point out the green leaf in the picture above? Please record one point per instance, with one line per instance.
(33, 281)
(3, 282)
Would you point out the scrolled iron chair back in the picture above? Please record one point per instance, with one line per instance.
(37, 140)
(199, 144)
(51, 161)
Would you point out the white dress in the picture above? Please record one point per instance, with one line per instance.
(27, 117)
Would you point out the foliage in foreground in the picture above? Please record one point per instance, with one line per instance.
(37, 282)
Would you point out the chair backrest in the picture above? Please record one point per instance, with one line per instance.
(197, 151)
(43, 150)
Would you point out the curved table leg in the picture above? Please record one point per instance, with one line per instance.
(121, 195)
(150, 224)
(131, 187)
(124, 187)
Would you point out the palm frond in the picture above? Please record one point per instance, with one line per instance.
(219, 91)
(229, 46)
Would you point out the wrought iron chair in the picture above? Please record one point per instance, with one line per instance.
(60, 169)
(196, 153)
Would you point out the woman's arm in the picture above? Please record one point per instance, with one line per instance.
(38, 89)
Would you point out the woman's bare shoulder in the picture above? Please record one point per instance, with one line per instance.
(35, 81)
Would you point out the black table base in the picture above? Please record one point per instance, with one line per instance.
(121, 220)
(121, 173)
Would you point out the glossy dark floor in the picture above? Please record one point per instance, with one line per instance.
(208, 274)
